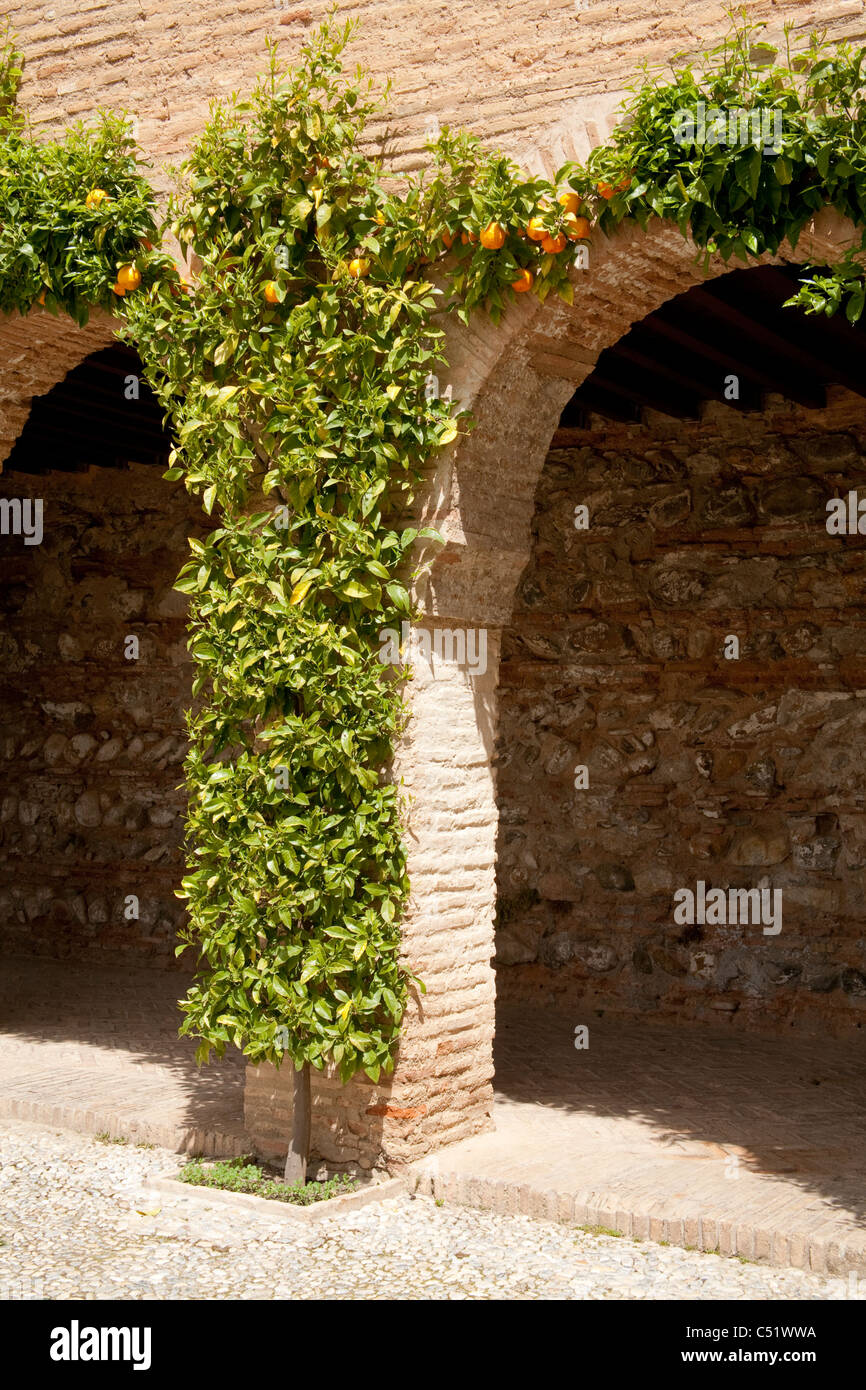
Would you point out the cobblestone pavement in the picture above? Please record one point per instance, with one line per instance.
(78, 1220)
(747, 1143)
(96, 1048)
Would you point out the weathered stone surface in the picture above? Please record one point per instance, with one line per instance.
(92, 744)
(759, 849)
(744, 773)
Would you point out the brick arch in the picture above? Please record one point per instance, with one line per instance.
(37, 351)
(515, 378)
(94, 739)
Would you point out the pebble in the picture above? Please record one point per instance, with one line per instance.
(72, 1228)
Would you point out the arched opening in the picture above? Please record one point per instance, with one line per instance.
(95, 683)
(642, 1065)
(96, 677)
(641, 754)
(517, 378)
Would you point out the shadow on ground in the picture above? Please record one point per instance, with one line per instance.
(786, 1108)
(102, 1042)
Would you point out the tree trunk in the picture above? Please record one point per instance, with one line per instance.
(299, 1144)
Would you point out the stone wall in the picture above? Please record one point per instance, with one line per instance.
(735, 772)
(91, 743)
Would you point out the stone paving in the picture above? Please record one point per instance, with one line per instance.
(79, 1219)
(96, 1049)
(748, 1144)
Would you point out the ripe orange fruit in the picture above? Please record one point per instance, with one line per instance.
(624, 183)
(359, 267)
(128, 278)
(605, 190)
(493, 236)
(569, 200)
(118, 289)
(552, 244)
(95, 197)
(448, 238)
(536, 231)
(576, 228)
(272, 292)
(525, 282)
(467, 237)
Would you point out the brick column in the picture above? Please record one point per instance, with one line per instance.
(480, 496)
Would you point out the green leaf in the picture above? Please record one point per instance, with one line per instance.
(447, 434)
(353, 589)
(300, 591)
(224, 351)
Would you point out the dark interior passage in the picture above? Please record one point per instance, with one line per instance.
(94, 674)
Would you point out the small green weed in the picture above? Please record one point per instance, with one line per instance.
(243, 1175)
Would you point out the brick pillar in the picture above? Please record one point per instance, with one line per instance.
(441, 1088)
(480, 497)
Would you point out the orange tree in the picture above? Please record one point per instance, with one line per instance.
(294, 368)
(74, 214)
(721, 180)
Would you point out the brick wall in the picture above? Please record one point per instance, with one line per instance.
(537, 79)
(737, 772)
